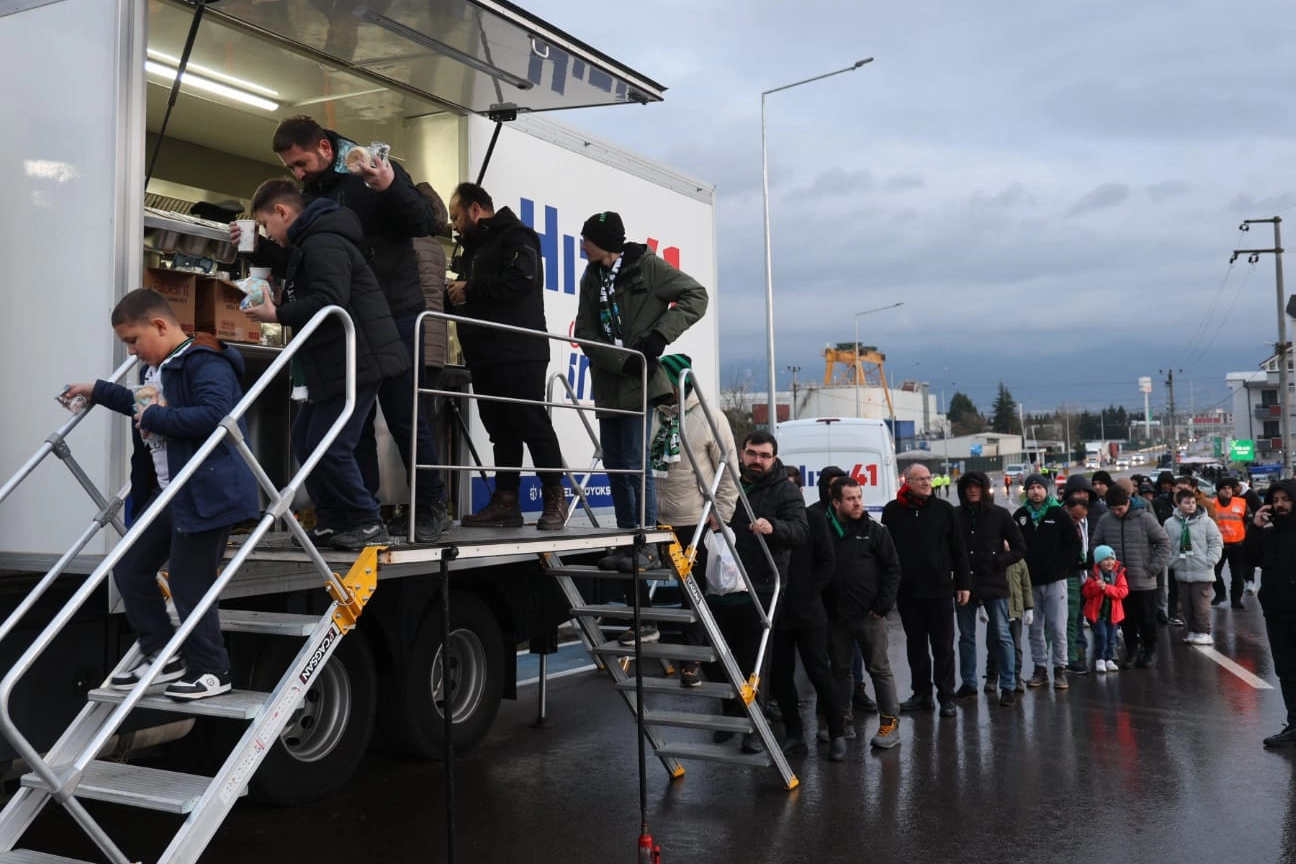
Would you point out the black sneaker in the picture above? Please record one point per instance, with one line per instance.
(1285, 738)
(648, 560)
(966, 691)
(354, 539)
(199, 686)
(1077, 668)
(174, 668)
(429, 526)
(918, 703)
(612, 562)
(752, 743)
(647, 633)
(1006, 698)
(860, 700)
(690, 675)
(320, 538)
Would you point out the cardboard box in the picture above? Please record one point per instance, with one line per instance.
(217, 312)
(180, 290)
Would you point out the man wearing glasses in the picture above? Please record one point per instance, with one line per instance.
(934, 575)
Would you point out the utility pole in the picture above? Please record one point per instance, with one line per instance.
(794, 370)
(1281, 347)
(1174, 426)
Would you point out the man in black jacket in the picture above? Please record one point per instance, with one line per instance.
(934, 574)
(1052, 553)
(1271, 545)
(865, 579)
(993, 544)
(780, 522)
(503, 281)
(801, 627)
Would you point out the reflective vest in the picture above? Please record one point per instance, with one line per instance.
(1231, 519)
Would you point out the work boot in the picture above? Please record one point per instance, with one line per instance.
(1006, 698)
(502, 511)
(431, 524)
(966, 691)
(554, 516)
(918, 702)
(1059, 678)
(888, 734)
(1040, 678)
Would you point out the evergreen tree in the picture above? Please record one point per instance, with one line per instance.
(964, 418)
(1003, 414)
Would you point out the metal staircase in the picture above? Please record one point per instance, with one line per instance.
(70, 772)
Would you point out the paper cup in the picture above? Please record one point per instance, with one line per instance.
(247, 235)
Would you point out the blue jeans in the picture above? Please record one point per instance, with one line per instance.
(622, 438)
(341, 498)
(1104, 637)
(998, 635)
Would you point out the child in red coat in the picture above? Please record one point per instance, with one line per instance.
(1103, 590)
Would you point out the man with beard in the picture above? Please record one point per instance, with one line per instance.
(1052, 552)
(993, 544)
(1231, 515)
(780, 519)
(1271, 546)
(502, 281)
(934, 574)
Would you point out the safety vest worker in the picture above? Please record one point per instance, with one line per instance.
(1230, 516)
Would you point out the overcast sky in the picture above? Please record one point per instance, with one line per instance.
(1053, 189)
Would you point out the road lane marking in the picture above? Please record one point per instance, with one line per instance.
(563, 674)
(1245, 674)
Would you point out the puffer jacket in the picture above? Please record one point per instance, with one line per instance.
(679, 500)
(503, 272)
(327, 268)
(1096, 588)
(992, 539)
(652, 296)
(432, 279)
(927, 536)
(1019, 589)
(1139, 542)
(776, 499)
(1273, 549)
(1196, 564)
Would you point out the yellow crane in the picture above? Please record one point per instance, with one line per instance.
(864, 367)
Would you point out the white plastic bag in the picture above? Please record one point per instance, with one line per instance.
(722, 573)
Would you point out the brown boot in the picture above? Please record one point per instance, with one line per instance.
(502, 511)
(554, 517)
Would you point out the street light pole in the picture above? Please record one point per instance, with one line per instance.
(769, 266)
(1284, 399)
(855, 373)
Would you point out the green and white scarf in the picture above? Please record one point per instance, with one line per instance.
(665, 447)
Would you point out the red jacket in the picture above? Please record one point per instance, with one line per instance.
(1094, 589)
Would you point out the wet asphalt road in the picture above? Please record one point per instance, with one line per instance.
(1146, 766)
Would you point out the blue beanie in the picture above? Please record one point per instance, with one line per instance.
(1102, 553)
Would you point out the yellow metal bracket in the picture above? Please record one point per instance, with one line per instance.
(360, 583)
(749, 690)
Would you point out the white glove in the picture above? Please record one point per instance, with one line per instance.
(982, 616)
(1028, 617)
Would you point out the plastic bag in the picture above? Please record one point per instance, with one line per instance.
(723, 575)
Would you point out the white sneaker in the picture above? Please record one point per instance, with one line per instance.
(198, 686)
(1205, 639)
(1112, 666)
(1250, 588)
(173, 669)
(1100, 665)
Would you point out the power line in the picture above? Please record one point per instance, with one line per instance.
(1201, 351)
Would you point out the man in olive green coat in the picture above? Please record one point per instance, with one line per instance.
(629, 298)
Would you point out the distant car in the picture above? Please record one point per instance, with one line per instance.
(1091, 465)
(1016, 471)
(1122, 464)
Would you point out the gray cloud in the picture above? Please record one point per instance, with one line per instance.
(1258, 207)
(903, 182)
(1102, 197)
(1167, 189)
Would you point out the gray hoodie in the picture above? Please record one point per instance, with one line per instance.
(1196, 564)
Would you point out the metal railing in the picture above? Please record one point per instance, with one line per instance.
(85, 748)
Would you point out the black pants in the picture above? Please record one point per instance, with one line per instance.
(1236, 561)
(1282, 645)
(929, 625)
(1139, 626)
(742, 632)
(812, 645)
(511, 425)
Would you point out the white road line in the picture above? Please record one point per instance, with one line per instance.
(1245, 674)
(552, 675)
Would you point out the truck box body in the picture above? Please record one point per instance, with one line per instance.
(860, 447)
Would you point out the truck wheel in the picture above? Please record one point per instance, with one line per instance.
(410, 717)
(327, 735)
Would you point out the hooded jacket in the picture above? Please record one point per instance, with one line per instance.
(992, 539)
(504, 274)
(1097, 588)
(810, 570)
(326, 267)
(1052, 542)
(652, 296)
(1205, 545)
(1140, 543)
(929, 541)
(679, 501)
(866, 572)
(777, 499)
(201, 386)
(1097, 506)
(1273, 549)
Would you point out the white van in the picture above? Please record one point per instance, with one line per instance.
(862, 448)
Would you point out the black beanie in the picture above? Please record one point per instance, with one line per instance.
(1101, 477)
(605, 230)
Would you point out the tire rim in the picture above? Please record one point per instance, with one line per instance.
(467, 673)
(319, 723)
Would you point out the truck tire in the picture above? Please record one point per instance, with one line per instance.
(410, 715)
(327, 736)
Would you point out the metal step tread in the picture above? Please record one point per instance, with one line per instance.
(728, 753)
(233, 705)
(696, 720)
(658, 651)
(647, 613)
(135, 786)
(591, 570)
(31, 856)
(267, 623)
(672, 687)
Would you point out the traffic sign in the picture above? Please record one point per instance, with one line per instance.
(1242, 451)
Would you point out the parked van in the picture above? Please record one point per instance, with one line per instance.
(862, 448)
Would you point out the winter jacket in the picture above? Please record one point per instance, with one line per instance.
(777, 499)
(1273, 549)
(1196, 564)
(327, 268)
(1019, 589)
(1096, 588)
(1139, 543)
(652, 296)
(201, 386)
(866, 573)
(1052, 543)
(504, 274)
(431, 258)
(992, 539)
(927, 536)
(809, 572)
(679, 500)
